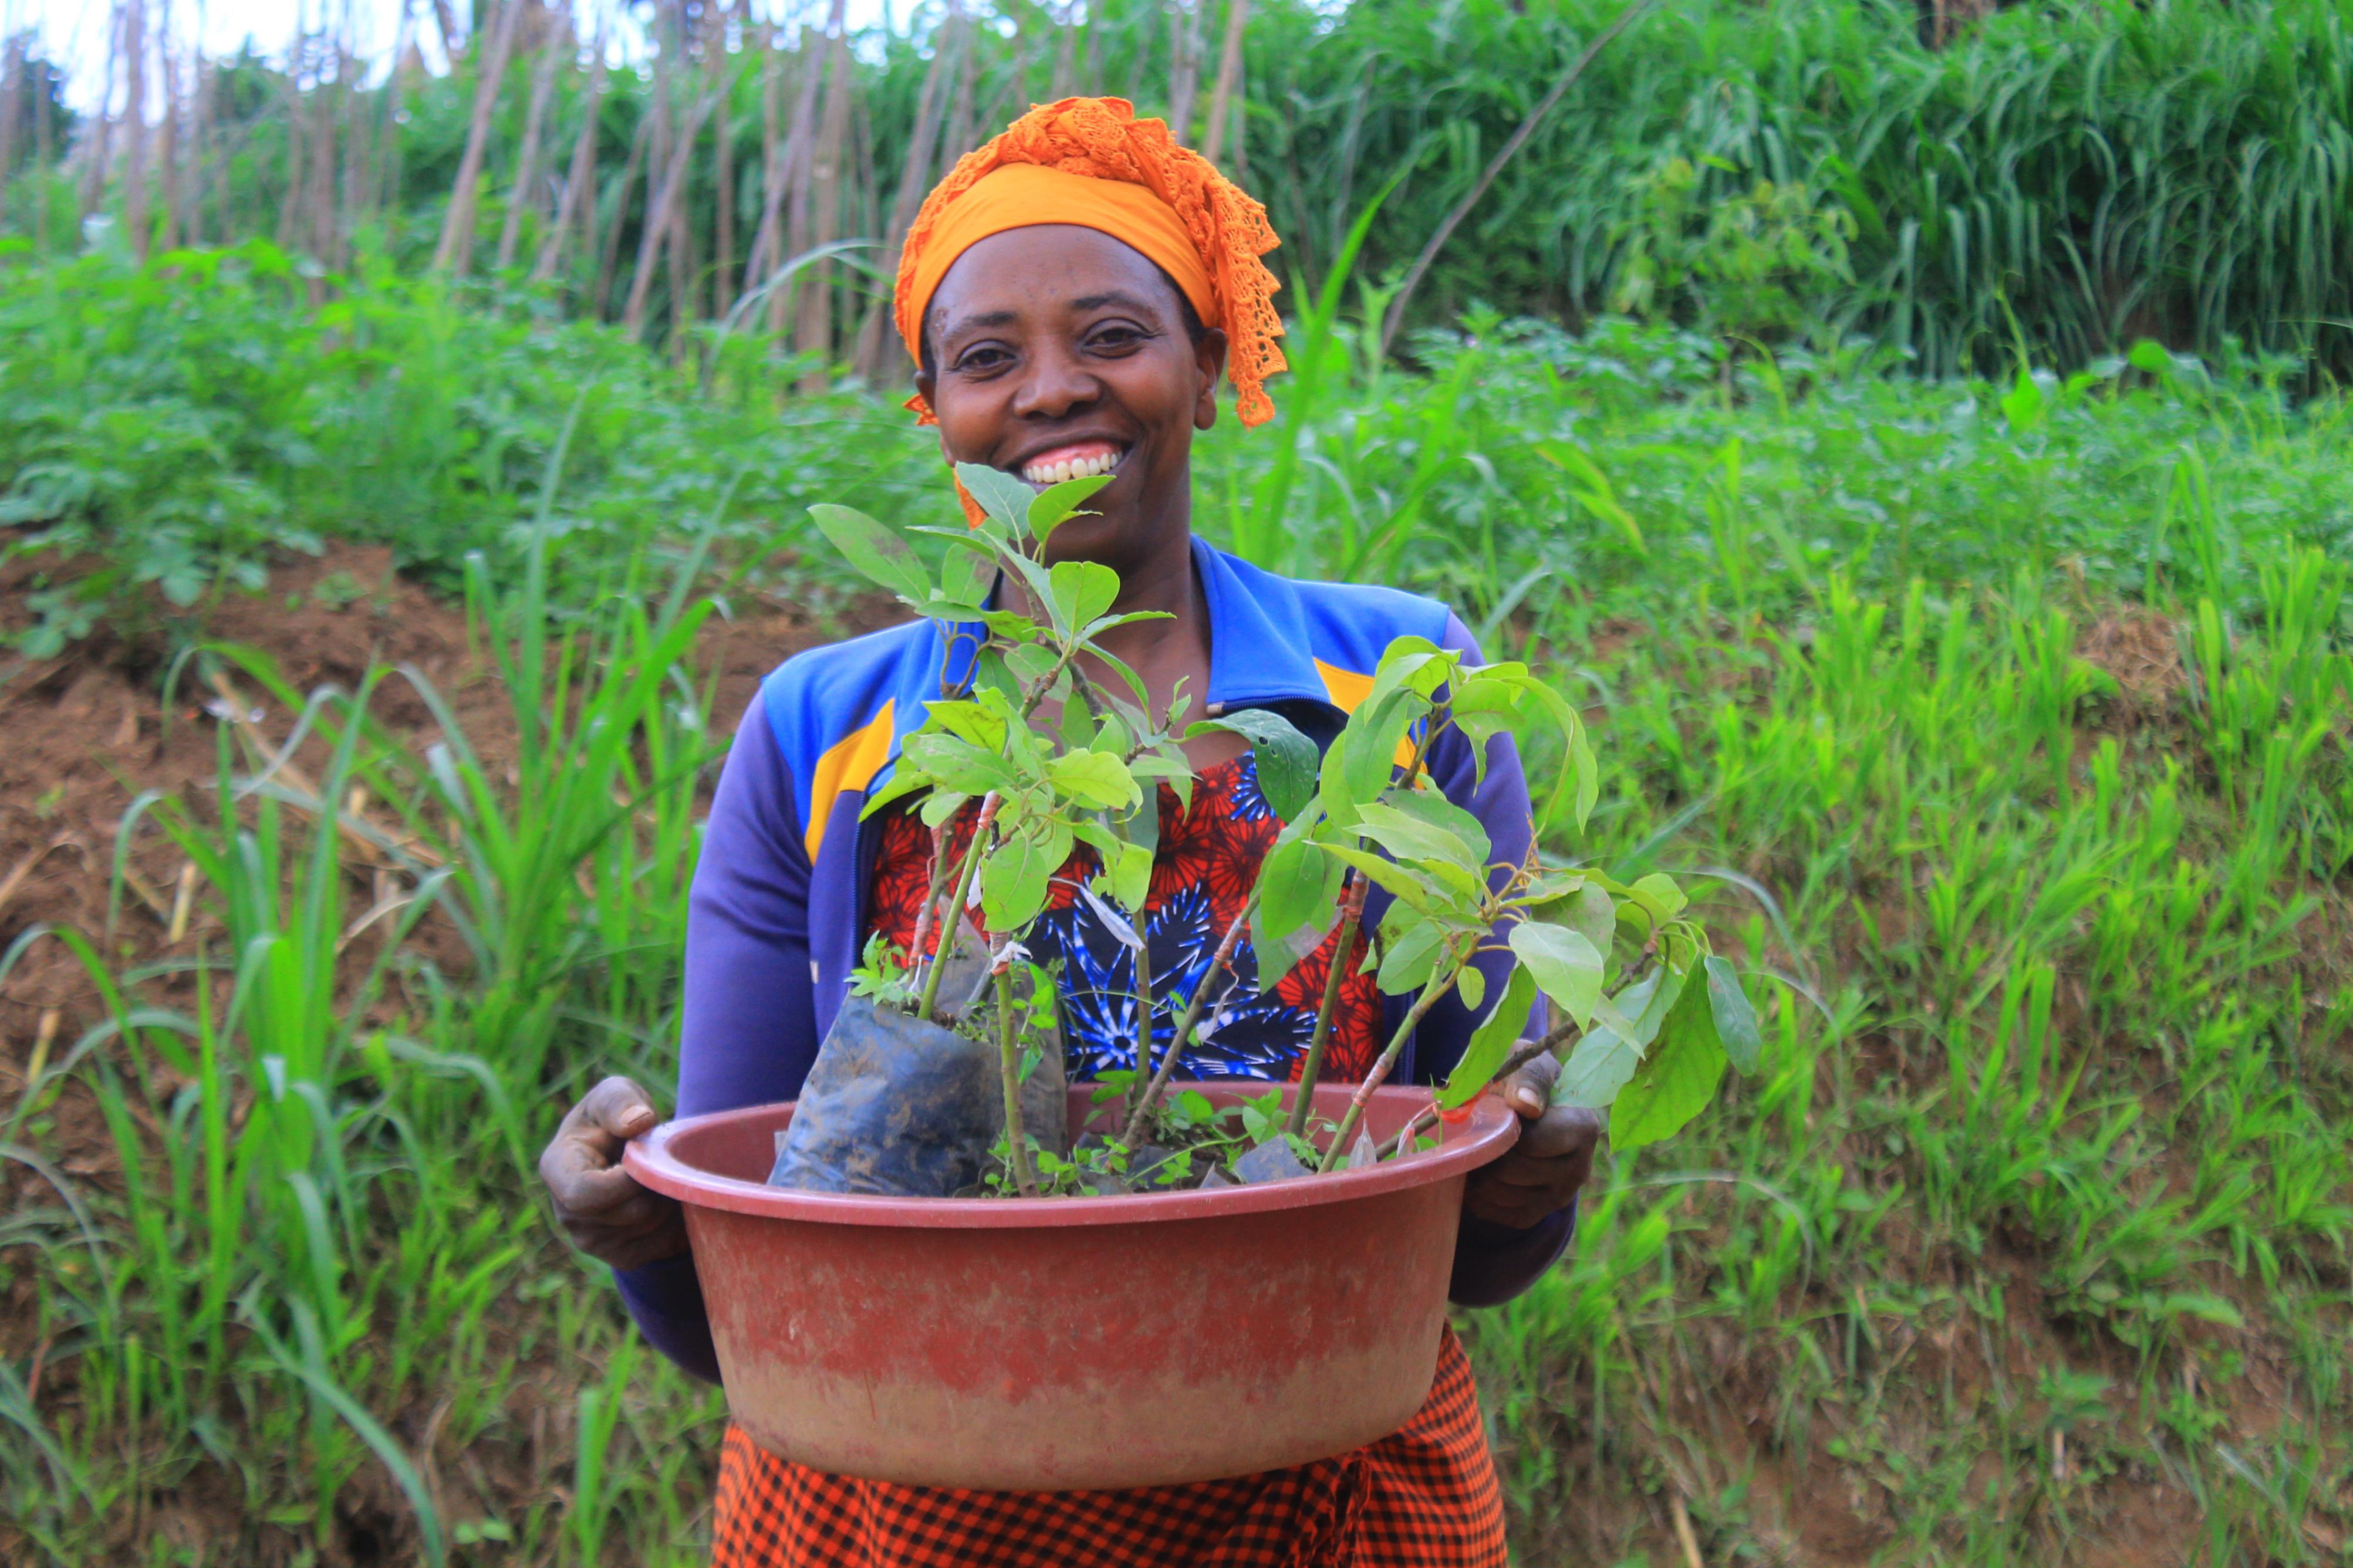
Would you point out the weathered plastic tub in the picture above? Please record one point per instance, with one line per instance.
(1052, 1345)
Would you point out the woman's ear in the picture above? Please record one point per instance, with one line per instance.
(1209, 359)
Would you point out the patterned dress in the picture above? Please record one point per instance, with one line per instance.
(1424, 1496)
(1202, 873)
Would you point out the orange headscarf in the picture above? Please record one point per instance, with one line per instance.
(1091, 163)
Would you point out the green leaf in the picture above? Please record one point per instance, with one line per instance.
(977, 723)
(1609, 1052)
(1410, 664)
(966, 575)
(1596, 1070)
(1410, 887)
(1030, 662)
(1431, 807)
(1564, 964)
(1676, 1079)
(1491, 1043)
(952, 764)
(1410, 839)
(1376, 733)
(1409, 957)
(1057, 504)
(1000, 495)
(1736, 1018)
(1015, 876)
(1285, 759)
(1096, 780)
(1081, 591)
(1297, 886)
(1470, 984)
(876, 552)
(1661, 888)
(1131, 875)
(1332, 792)
(1593, 913)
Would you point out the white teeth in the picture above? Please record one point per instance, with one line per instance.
(1071, 468)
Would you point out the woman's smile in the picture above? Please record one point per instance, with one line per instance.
(1072, 460)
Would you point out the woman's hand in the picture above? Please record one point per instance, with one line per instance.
(601, 1206)
(1552, 1160)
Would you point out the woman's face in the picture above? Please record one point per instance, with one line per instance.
(1059, 352)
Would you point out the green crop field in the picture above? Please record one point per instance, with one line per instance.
(370, 636)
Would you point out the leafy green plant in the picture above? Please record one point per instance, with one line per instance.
(1052, 758)
(1763, 263)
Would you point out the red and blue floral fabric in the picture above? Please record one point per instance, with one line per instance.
(1202, 873)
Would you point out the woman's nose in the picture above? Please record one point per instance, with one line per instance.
(1055, 383)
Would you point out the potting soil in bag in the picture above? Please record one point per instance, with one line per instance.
(894, 1106)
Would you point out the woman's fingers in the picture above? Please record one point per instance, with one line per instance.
(615, 1111)
(1566, 1132)
(1550, 1161)
(1529, 1090)
(602, 1207)
(581, 1164)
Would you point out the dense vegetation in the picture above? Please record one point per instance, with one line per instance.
(2003, 721)
(2069, 177)
(2008, 720)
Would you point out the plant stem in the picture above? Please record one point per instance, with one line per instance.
(1352, 911)
(1008, 1070)
(916, 956)
(949, 916)
(1136, 1090)
(1428, 1115)
(1381, 1068)
(1217, 962)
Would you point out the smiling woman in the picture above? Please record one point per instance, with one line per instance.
(1072, 295)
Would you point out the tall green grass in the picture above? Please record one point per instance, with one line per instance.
(2044, 1203)
(2071, 178)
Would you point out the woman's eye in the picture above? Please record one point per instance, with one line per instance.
(1114, 338)
(983, 358)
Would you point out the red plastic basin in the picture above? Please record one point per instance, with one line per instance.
(1050, 1344)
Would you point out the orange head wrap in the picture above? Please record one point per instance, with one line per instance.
(1090, 161)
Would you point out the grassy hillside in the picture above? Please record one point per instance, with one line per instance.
(2004, 724)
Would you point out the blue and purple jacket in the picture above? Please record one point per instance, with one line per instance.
(777, 914)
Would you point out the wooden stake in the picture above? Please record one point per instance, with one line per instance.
(960, 117)
(662, 215)
(1222, 100)
(612, 252)
(455, 251)
(914, 181)
(325, 231)
(1066, 40)
(93, 148)
(12, 99)
(168, 154)
(1184, 65)
(772, 169)
(290, 198)
(135, 117)
(800, 138)
(1684, 1536)
(579, 207)
(820, 209)
(1518, 139)
(523, 193)
(44, 155)
(723, 164)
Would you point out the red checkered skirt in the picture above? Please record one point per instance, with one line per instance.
(1423, 1497)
